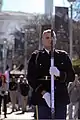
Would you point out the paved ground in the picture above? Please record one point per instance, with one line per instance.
(17, 115)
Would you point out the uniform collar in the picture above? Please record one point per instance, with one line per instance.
(47, 51)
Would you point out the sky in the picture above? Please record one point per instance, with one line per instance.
(29, 6)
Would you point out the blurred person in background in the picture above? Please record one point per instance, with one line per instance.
(7, 74)
(24, 88)
(20, 79)
(74, 94)
(30, 98)
(3, 93)
(13, 92)
(79, 102)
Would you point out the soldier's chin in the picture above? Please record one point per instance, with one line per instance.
(48, 48)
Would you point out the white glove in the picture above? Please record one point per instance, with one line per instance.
(54, 71)
(46, 96)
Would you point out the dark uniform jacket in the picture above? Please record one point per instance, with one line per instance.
(38, 67)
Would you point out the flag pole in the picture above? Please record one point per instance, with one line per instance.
(52, 76)
(49, 11)
(52, 64)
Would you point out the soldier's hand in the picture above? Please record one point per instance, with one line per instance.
(46, 96)
(54, 71)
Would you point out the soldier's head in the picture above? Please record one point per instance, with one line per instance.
(46, 39)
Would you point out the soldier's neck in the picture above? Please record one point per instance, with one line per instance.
(48, 50)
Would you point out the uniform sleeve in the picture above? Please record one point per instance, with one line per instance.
(31, 71)
(68, 74)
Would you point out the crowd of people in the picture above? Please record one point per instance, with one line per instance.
(16, 92)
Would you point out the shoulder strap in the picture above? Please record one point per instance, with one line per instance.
(37, 55)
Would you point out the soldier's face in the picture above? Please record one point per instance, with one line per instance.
(46, 40)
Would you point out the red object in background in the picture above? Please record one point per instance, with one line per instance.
(2, 75)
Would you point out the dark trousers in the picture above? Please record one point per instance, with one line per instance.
(60, 111)
(44, 112)
(4, 98)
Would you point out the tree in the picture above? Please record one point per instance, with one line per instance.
(76, 10)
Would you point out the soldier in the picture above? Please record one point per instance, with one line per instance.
(38, 76)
